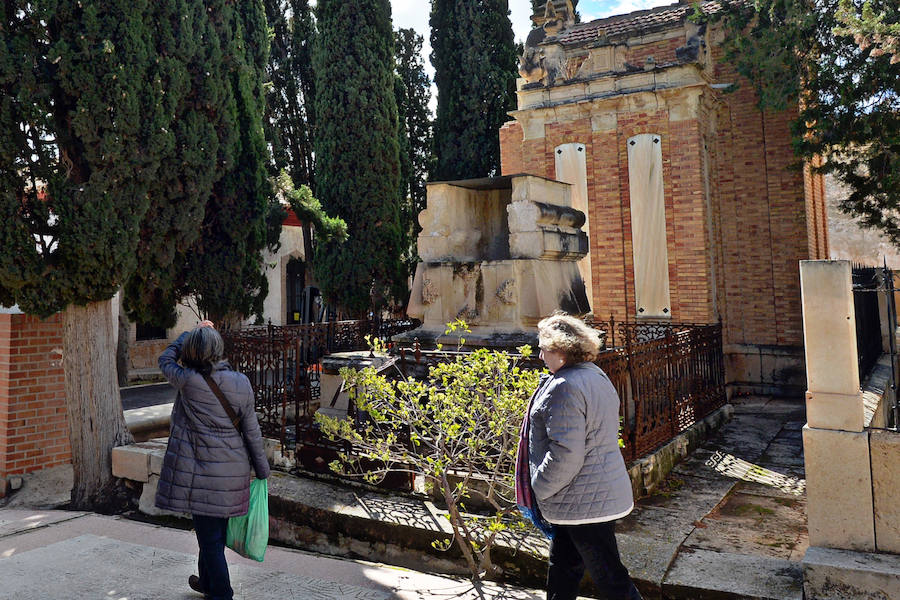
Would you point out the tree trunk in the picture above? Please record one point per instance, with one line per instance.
(96, 422)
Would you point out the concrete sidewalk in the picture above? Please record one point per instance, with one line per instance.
(728, 523)
(60, 555)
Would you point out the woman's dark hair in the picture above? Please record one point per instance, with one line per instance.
(202, 349)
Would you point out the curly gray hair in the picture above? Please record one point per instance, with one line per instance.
(569, 336)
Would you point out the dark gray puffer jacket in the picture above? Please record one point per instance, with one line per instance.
(206, 470)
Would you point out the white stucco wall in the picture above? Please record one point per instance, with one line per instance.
(291, 245)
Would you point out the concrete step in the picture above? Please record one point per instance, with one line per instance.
(708, 575)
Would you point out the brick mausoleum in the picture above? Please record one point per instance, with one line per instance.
(693, 212)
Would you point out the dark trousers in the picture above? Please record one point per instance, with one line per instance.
(213, 574)
(593, 547)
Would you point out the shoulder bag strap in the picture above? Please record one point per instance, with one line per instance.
(235, 420)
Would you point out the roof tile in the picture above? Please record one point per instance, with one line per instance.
(631, 23)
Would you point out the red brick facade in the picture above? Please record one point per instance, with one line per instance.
(33, 430)
(738, 217)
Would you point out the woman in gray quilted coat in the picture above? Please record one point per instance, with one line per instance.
(576, 469)
(206, 470)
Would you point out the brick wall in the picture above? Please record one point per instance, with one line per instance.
(609, 210)
(33, 429)
(738, 217)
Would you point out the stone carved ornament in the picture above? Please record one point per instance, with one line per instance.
(506, 291)
(547, 64)
(429, 292)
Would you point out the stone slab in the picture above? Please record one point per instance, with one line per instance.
(14, 522)
(647, 559)
(689, 495)
(90, 566)
(754, 525)
(835, 411)
(829, 327)
(708, 575)
(885, 456)
(783, 452)
(660, 524)
(750, 440)
(839, 489)
(830, 574)
(149, 422)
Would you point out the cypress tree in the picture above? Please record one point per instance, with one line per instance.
(357, 153)
(475, 64)
(290, 118)
(413, 91)
(224, 267)
(84, 131)
(199, 100)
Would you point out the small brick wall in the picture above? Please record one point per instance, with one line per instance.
(33, 429)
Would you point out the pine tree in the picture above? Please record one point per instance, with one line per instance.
(871, 29)
(413, 97)
(475, 64)
(357, 153)
(84, 129)
(848, 97)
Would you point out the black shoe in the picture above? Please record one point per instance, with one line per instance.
(194, 583)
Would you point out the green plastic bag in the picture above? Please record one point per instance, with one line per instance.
(248, 535)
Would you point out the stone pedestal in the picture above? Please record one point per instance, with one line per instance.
(500, 254)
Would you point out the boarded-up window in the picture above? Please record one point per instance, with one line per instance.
(571, 168)
(648, 226)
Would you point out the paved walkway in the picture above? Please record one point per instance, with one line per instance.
(59, 555)
(728, 523)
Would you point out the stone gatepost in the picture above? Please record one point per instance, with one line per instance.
(835, 443)
(851, 469)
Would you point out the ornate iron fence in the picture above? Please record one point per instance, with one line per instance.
(282, 363)
(668, 376)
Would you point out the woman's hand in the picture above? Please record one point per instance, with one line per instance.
(206, 324)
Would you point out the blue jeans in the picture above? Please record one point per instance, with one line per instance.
(591, 547)
(213, 574)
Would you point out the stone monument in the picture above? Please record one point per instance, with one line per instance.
(499, 253)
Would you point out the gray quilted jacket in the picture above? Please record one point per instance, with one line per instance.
(577, 471)
(206, 469)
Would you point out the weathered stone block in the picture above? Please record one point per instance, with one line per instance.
(885, 455)
(829, 327)
(835, 411)
(131, 462)
(147, 502)
(838, 489)
(830, 574)
(742, 365)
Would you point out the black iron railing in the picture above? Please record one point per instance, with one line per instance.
(668, 376)
(874, 304)
(283, 365)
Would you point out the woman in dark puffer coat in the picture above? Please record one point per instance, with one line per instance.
(206, 470)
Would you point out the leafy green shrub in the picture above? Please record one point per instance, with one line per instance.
(457, 426)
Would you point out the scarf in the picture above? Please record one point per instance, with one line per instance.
(525, 499)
